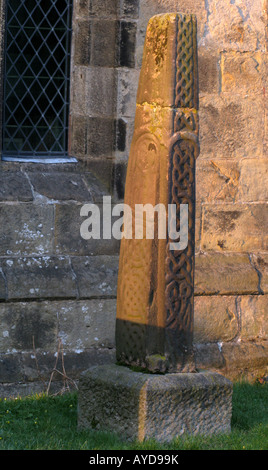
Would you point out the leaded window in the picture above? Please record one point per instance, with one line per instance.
(36, 78)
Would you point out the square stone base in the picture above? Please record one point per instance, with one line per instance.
(141, 406)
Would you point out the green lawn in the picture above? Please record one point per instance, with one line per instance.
(49, 423)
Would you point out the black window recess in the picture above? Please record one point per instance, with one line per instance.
(36, 79)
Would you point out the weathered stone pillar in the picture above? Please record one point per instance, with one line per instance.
(155, 298)
(154, 325)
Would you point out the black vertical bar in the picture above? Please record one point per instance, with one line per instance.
(67, 73)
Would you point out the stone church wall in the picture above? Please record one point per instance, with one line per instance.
(55, 285)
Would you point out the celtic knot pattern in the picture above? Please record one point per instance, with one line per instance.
(186, 73)
(184, 149)
(180, 264)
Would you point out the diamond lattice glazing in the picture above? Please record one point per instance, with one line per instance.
(37, 76)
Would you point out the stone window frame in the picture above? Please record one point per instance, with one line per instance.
(105, 73)
(112, 117)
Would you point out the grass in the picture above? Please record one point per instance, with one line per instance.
(50, 423)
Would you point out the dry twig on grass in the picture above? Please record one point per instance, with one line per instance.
(65, 378)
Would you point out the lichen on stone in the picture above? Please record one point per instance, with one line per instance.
(157, 37)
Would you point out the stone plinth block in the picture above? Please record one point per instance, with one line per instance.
(141, 406)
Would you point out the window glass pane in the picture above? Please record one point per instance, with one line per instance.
(37, 77)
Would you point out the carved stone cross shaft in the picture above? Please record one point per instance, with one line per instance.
(155, 303)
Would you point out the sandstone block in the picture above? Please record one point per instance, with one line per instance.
(231, 126)
(127, 90)
(217, 180)
(33, 373)
(96, 275)
(235, 26)
(82, 39)
(162, 407)
(14, 186)
(107, 8)
(60, 186)
(21, 377)
(24, 324)
(80, 325)
(130, 8)
(245, 360)
(85, 324)
(104, 36)
(11, 367)
(68, 239)
(242, 72)
(237, 360)
(26, 229)
(78, 92)
(208, 356)
(100, 88)
(7, 168)
(78, 143)
(75, 362)
(101, 171)
(253, 181)
(215, 319)
(71, 167)
(260, 261)
(100, 136)
(225, 273)
(254, 320)
(236, 227)
(96, 187)
(81, 8)
(39, 277)
(208, 70)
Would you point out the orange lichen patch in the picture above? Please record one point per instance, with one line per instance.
(157, 37)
